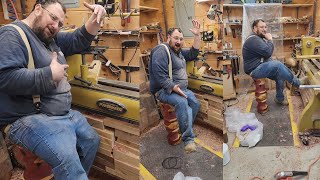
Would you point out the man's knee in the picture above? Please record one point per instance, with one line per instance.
(96, 140)
(182, 105)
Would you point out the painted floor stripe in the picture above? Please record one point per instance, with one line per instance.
(218, 153)
(294, 126)
(146, 175)
(236, 142)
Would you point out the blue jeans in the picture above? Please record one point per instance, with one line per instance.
(67, 143)
(278, 72)
(186, 111)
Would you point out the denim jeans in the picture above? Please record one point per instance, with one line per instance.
(278, 72)
(67, 143)
(186, 110)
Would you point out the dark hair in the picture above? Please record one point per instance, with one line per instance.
(45, 3)
(170, 31)
(255, 22)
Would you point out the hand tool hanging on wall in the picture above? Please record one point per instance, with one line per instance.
(128, 10)
(128, 69)
(123, 7)
(126, 44)
(9, 10)
(23, 9)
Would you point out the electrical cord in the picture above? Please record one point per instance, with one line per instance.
(172, 163)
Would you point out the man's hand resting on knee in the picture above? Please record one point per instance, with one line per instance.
(177, 90)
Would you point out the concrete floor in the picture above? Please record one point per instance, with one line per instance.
(264, 162)
(203, 163)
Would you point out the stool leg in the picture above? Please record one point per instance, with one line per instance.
(261, 96)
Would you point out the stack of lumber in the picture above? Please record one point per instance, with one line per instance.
(5, 161)
(149, 114)
(211, 110)
(118, 153)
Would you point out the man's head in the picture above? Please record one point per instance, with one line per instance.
(175, 39)
(259, 27)
(48, 17)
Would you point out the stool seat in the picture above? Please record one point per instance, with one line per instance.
(34, 167)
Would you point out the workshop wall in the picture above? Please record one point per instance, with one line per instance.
(298, 19)
(201, 9)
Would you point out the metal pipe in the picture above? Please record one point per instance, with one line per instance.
(309, 87)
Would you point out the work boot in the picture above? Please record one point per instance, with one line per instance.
(303, 80)
(283, 103)
(191, 147)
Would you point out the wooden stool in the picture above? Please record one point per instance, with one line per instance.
(171, 124)
(34, 167)
(261, 96)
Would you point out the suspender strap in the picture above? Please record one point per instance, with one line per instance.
(36, 98)
(170, 61)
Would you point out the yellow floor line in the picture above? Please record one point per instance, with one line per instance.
(218, 153)
(236, 142)
(294, 126)
(146, 175)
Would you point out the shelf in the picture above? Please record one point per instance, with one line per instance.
(297, 22)
(297, 5)
(234, 24)
(207, 1)
(232, 5)
(286, 39)
(147, 9)
(283, 5)
(149, 32)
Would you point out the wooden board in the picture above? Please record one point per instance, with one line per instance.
(132, 150)
(123, 155)
(127, 136)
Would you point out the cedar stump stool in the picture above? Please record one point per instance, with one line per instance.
(34, 167)
(171, 123)
(261, 96)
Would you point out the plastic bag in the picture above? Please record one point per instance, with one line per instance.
(180, 176)
(246, 126)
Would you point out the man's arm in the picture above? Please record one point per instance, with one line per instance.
(15, 78)
(79, 40)
(96, 18)
(196, 32)
(160, 69)
(261, 47)
(192, 54)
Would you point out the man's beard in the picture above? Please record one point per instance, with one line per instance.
(40, 31)
(172, 46)
(260, 34)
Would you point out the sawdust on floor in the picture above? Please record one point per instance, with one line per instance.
(210, 136)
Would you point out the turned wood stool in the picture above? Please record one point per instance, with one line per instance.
(171, 123)
(261, 96)
(34, 167)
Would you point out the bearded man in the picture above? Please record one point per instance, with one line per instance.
(51, 130)
(169, 83)
(257, 51)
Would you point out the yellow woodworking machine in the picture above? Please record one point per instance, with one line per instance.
(197, 80)
(116, 99)
(308, 53)
(310, 118)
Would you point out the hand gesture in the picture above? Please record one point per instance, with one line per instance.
(57, 69)
(196, 28)
(268, 36)
(177, 90)
(97, 10)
